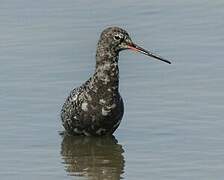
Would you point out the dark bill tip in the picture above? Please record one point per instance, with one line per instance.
(137, 48)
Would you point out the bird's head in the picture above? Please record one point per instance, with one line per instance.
(115, 39)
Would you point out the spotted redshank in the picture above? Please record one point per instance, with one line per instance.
(96, 107)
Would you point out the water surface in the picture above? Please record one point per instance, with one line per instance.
(173, 122)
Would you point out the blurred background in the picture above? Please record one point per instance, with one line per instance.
(173, 123)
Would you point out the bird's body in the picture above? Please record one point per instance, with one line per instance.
(96, 108)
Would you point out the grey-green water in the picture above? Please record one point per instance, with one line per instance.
(173, 124)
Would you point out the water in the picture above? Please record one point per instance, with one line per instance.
(173, 122)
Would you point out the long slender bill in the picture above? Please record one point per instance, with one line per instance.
(137, 48)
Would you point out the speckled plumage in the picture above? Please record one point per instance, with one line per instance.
(96, 107)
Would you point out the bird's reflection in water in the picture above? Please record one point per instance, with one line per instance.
(93, 157)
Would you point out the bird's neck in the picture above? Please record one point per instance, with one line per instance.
(106, 74)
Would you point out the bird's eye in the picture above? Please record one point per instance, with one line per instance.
(117, 37)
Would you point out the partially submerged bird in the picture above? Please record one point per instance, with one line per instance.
(96, 107)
